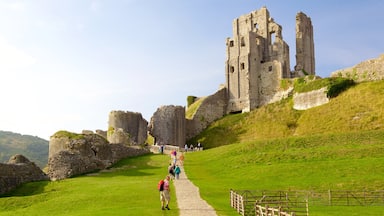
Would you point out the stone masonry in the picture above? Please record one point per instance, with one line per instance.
(257, 58)
(369, 70)
(212, 108)
(74, 154)
(305, 50)
(127, 128)
(167, 125)
(17, 171)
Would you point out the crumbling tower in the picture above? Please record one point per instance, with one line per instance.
(257, 58)
(305, 49)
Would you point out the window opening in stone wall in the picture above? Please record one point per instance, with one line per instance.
(242, 41)
(256, 26)
(231, 43)
(232, 69)
(273, 37)
(270, 68)
(242, 66)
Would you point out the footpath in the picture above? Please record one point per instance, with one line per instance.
(188, 198)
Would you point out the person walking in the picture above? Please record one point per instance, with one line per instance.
(177, 171)
(181, 159)
(165, 196)
(171, 170)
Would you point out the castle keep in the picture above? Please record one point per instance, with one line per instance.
(257, 58)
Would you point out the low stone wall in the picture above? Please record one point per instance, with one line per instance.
(370, 70)
(17, 171)
(303, 101)
(76, 154)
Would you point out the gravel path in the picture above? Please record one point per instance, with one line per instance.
(188, 198)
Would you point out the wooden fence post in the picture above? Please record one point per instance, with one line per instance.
(329, 197)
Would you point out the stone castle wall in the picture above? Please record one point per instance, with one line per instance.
(212, 108)
(370, 70)
(17, 171)
(307, 100)
(167, 125)
(128, 128)
(305, 50)
(257, 58)
(83, 153)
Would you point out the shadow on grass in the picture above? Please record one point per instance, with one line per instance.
(144, 165)
(28, 189)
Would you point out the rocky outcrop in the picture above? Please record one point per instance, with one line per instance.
(74, 154)
(17, 171)
(212, 108)
(127, 128)
(303, 101)
(167, 125)
(370, 70)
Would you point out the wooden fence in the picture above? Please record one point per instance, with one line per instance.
(249, 202)
(268, 211)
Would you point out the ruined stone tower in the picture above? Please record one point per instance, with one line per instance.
(257, 58)
(128, 128)
(305, 50)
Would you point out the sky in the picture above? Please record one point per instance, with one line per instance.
(65, 65)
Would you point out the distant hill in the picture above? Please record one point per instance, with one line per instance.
(32, 147)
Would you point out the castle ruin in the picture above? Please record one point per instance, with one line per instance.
(257, 58)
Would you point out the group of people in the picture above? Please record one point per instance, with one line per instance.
(173, 173)
(198, 147)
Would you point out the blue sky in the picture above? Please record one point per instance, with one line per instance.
(64, 65)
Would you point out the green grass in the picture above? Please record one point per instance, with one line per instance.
(130, 189)
(337, 146)
(359, 108)
(193, 108)
(351, 161)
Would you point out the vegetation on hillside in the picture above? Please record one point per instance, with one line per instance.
(32, 147)
(192, 108)
(359, 108)
(336, 146)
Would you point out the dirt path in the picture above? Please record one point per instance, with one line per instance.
(188, 198)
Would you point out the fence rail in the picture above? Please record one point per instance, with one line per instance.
(268, 211)
(297, 202)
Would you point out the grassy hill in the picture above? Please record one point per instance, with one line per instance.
(336, 146)
(360, 108)
(34, 148)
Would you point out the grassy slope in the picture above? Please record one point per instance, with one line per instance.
(273, 147)
(359, 108)
(131, 189)
(337, 146)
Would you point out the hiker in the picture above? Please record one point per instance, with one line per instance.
(171, 170)
(181, 159)
(177, 171)
(161, 149)
(164, 194)
(185, 147)
(191, 147)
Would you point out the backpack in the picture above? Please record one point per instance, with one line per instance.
(160, 185)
